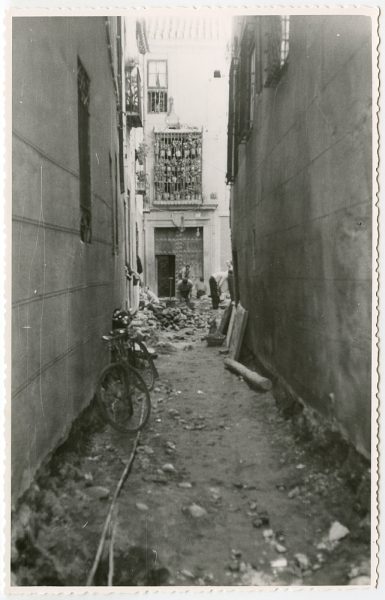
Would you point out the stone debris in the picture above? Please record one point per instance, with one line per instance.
(360, 574)
(145, 450)
(280, 548)
(168, 468)
(88, 478)
(215, 494)
(174, 318)
(185, 485)
(173, 412)
(98, 492)
(360, 580)
(253, 577)
(279, 563)
(187, 573)
(141, 506)
(337, 532)
(268, 534)
(195, 511)
(302, 561)
(294, 492)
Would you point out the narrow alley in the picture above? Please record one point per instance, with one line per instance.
(193, 394)
(223, 491)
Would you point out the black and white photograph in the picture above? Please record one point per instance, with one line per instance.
(192, 364)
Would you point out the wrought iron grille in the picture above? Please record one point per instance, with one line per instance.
(157, 101)
(178, 166)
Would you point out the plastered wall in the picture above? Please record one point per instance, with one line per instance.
(63, 291)
(301, 217)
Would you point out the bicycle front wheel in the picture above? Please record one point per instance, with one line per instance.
(123, 398)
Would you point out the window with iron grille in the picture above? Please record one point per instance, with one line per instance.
(232, 144)
(156, 101)
(178, 166)
(84, 153)
(246, 80)
(277, 49)
(157, 86)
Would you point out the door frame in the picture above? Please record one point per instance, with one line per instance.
(157, 256)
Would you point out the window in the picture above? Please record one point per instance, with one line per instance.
(84, 153)
(178, 166)
(232, 145)
(277, 49)
(245, 85)
(259, 60)
(157, 102)
(157, 85)
(157, 74)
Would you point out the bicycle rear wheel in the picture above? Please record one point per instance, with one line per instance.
(142, 361)
(123, 398)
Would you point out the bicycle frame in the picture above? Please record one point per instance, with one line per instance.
(122, 347)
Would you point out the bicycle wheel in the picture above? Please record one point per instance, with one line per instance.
(142, 361)
(123, 398)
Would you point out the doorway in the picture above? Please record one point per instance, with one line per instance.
(166, 275)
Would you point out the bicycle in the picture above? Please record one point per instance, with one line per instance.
(134, 350)
(122, 394)
(139, 357)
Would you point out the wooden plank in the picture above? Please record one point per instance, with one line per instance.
(256, 381)
(237, 334)
(224, 324)
(231, 325)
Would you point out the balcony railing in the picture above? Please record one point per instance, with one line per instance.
(133, 97)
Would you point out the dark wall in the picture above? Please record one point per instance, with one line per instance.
(63, 290)
(301, 217)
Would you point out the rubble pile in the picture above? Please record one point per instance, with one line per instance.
(172, 318)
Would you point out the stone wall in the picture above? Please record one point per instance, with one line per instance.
(302, 221)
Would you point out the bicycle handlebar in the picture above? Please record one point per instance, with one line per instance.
(123, 334)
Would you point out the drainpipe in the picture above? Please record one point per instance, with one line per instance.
(145, 172)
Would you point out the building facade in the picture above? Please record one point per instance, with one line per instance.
(136, 47)
(187, 200)
(299, 161)
(72, 181)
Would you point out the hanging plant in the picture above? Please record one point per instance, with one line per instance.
(141, 152)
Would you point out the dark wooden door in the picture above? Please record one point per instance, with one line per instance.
(166, 275)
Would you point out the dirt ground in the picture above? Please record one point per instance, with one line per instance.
(221, 493)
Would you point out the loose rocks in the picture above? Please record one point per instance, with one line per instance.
(196, 511)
